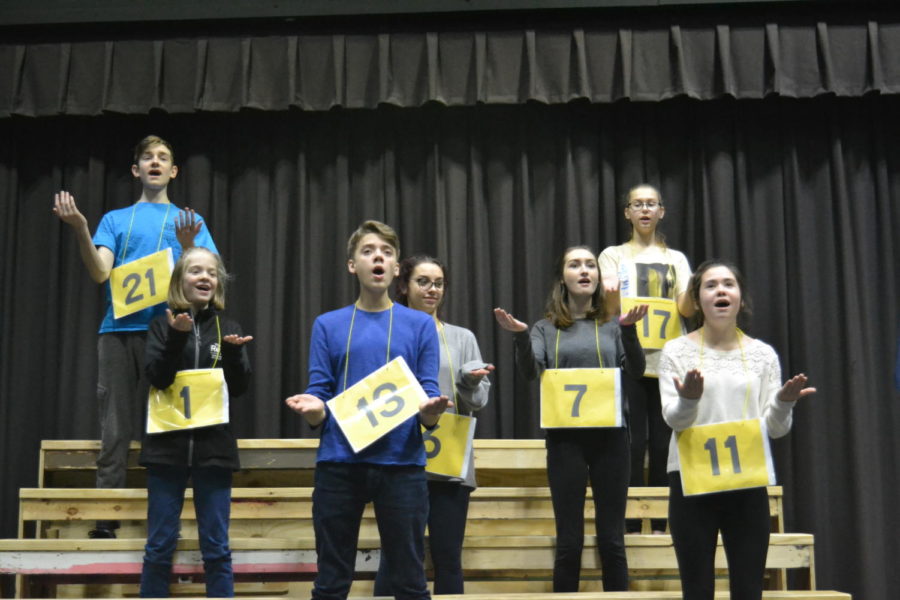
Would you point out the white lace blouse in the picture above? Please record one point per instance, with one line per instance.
(726, 376)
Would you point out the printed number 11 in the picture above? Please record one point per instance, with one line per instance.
(731, 444)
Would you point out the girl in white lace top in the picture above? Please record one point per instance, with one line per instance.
(712, 375)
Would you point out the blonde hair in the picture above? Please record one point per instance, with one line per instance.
(151, 140)
(385, 232)
(176, 299)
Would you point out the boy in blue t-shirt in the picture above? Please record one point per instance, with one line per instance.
(346, 346)
(125, 235)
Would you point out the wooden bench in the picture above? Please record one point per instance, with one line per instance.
(276, 462)
(44, 563)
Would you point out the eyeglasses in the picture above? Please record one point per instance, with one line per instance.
(639, 205)
(426, 284)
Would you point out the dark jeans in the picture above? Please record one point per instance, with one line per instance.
(649, 435)
(574, 457)
(212, 502)
(400, 497)
(695, 521)
(448, 506)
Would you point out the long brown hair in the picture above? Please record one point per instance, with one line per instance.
(697, 278)
(557, 309)
(407, 266)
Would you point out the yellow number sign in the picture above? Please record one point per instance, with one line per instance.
(448, 445)
(376, 405)
(581, 398)
(661, 324)
(141, 283)
(197, 398)
(725, 456)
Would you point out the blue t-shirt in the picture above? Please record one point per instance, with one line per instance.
(413, 336)
(143, 238)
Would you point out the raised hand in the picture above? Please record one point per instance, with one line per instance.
(312, 408)
(431, 409)
(692, 388)
(187, 226)
(181, 321)
(237, 340)
(634, 315)
(65, 208)
(509, 322)
(793, 389)
(479, 373)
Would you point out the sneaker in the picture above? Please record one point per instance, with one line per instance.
(102, 533)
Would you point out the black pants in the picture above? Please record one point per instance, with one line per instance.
(448, 503)
(649, 434)
(695, 521)
(574, 457)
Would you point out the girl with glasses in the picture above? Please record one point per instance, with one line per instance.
(644, 267)
(421, 285)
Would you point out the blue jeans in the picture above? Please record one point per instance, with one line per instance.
(448, 507)
(400, 497)
(212, 502)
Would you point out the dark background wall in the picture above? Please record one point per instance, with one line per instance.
(494, 141)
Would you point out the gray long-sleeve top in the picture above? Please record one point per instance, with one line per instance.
(471, 393)
(619, 347)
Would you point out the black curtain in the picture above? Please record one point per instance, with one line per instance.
(803, 194)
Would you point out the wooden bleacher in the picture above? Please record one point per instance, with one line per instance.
(508, 547)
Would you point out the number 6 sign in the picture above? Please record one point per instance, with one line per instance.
(376, 405)
(141, 283)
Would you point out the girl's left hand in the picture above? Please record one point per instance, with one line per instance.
(793, 389)
(237, 340)
(479, 373)
(634, 315)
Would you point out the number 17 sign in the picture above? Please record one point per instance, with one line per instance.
(376, 405)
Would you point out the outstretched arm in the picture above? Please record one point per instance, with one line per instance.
(312, 408)
(98, 261)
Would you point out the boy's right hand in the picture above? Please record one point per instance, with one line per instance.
(312, 408)
(65, 208)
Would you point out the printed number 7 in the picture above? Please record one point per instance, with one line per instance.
(581, 389)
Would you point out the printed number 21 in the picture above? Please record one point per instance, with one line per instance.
(135, 280)
(731, 444)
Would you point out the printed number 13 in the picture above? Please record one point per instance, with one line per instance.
(731, 444)
(396, 399)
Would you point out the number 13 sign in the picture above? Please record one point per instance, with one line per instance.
(376, 405)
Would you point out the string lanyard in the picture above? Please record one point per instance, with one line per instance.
(740, 335)
(449, 359)
(387, 357)
(131, 224)
(596, 339)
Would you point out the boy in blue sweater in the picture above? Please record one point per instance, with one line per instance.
(347, 345)
(151, 224)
